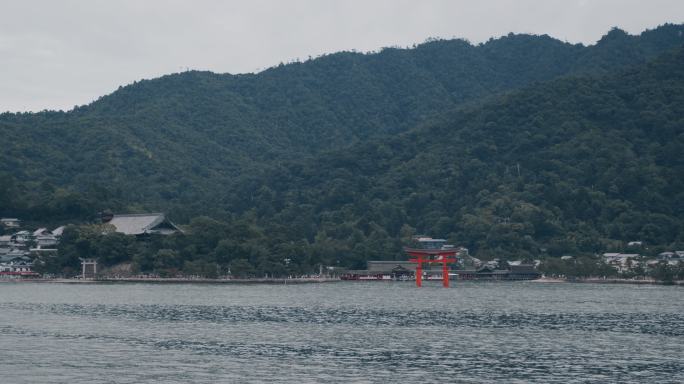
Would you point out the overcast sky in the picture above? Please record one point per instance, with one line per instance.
(57, 54)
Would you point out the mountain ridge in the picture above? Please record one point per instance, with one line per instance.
(166, 143)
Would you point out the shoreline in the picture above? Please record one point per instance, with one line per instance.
(174, 280)
(312, 280)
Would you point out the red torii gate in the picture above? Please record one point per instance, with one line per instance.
(431, 256)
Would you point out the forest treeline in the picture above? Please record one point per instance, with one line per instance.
(520, 147)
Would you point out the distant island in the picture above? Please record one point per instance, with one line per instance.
(521, 149)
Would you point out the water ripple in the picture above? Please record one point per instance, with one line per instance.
(664, 324)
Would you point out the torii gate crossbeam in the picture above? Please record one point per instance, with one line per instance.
(432, 256)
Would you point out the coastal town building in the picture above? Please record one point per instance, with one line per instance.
(20, 250)
(513, 272)
(142, 224)
(383, 270)
(14, 265)
(5, 240)
(21, 237)
(665, 255)
(40, 232)
(405, 270)
(622, 262)
(57, 232)
(610, 256)
(46, 241)
(669, 255)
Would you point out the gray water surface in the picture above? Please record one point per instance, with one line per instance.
(474, 332)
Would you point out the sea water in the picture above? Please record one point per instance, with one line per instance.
(351, 332)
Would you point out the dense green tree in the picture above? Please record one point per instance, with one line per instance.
(167, 262)
(242, 268)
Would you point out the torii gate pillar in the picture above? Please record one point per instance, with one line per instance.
(432, 256)
(89, 268)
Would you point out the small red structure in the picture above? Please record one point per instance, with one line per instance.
(431, 256)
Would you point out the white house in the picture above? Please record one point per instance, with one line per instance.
(21, 236)
(46, 241)
(666, 255)
(16, 266)
(621, 261)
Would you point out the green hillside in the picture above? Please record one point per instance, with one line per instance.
(177, 143)
(521, 147)
(578, 165)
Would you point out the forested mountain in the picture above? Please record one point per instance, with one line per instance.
(176, 143)
(520, 147)
(577, 165)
